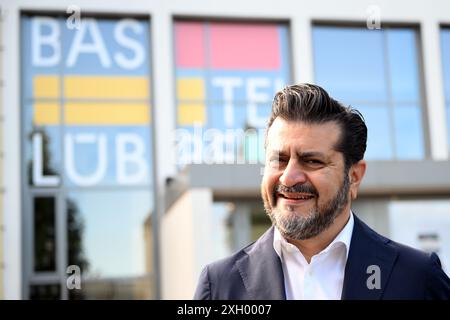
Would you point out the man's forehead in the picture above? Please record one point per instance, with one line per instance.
(309, 137)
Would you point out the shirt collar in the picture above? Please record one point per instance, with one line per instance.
(344, 237)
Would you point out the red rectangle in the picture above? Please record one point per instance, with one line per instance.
(244, 46)
(190, 44)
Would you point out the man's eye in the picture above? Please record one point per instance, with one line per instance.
(314, 162)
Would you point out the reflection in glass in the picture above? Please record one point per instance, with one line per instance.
(44, 234)
(110, 237)
(75, 229)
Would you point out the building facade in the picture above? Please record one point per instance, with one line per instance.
(133, 132)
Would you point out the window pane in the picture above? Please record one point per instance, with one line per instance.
(408, 126)
(349, 63)
(403, 68)
(110, 239)
(44, 234)
(377, 72)
(379, 127)
(110, 226)
(445, 45)
(87, 91)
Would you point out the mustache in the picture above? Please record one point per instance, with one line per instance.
(300, 188)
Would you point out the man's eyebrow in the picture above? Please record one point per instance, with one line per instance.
(311, 154)
(306, 154)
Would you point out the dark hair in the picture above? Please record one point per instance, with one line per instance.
(311, 104)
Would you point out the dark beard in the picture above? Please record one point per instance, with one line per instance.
(297, 227)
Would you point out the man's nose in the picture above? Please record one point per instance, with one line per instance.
(293, 174)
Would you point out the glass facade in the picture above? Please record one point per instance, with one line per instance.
(377, 72)
(87, 145)
(226, 76)
(445, 47)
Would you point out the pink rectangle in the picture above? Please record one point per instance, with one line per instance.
(190, 44)
(244, 46)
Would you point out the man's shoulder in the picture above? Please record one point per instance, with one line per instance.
(413, 259)
(419, 269)
(228, 264)
(261, 245)
(243, 275)
(407, 257)
(405, 272)
(406, 251)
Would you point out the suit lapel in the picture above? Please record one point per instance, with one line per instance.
(367, 249)
(261, 270)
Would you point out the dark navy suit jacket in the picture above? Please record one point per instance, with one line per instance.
(255, 272)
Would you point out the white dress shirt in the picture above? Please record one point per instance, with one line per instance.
(323, 277)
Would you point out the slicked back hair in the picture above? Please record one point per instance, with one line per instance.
(311, 104)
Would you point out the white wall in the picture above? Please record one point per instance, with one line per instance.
(177, 249)
(1, 165)
(409, 219)
(185, 243)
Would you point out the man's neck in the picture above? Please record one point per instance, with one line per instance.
(311, 247)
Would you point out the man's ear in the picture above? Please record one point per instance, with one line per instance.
(357, 172)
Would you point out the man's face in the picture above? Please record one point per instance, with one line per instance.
(304, 186)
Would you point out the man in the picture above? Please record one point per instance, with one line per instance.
(317, 248)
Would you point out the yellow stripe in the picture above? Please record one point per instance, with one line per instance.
(109, 87)
(190, 89)
(106, 114)
(190, 113)
(46, 114)
(46, 86)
